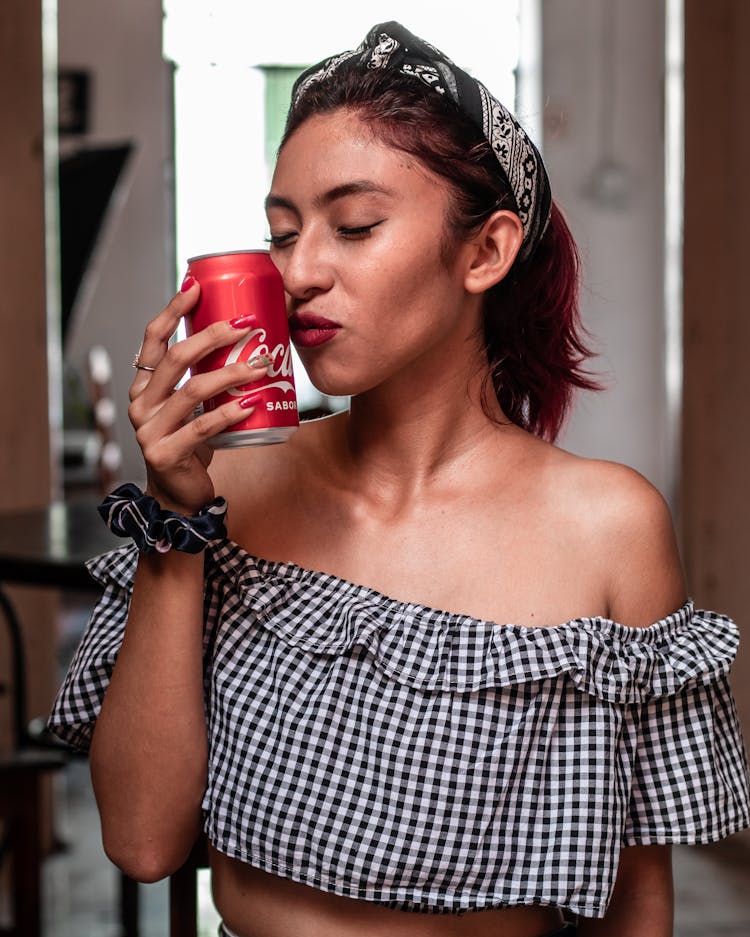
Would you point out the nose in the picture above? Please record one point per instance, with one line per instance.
(305, 269)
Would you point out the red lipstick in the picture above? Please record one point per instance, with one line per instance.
(308, 330)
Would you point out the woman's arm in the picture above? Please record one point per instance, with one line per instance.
(642, 903)
(644, 576)
(149, 748)
(645, 583)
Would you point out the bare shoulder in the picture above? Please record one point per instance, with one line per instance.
(629, 524)
(258, 479)
(268, 466)
(611, 492)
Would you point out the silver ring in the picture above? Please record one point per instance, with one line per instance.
(141, 367)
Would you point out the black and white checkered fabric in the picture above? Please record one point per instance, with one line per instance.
(432, 761)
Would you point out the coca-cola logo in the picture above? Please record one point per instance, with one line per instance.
(255, 344)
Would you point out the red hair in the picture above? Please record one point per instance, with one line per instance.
(533, 335)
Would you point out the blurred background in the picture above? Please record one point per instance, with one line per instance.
(138, 134)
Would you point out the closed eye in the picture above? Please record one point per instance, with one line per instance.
(278, 239)
(361, 231)
(354, 233)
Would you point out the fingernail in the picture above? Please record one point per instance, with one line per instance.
(259, 361)
(242, 322)
(187, 283)
(250, 401)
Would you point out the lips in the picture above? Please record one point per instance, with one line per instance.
(308, 329)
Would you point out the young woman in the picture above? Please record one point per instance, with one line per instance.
(438, 665)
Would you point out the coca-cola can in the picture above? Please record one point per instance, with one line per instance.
(242, 283)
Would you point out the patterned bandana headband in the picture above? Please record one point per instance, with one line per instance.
(389, 45)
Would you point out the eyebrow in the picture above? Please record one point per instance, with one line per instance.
(357, 187)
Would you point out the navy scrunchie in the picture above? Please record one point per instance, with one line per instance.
(128, 512)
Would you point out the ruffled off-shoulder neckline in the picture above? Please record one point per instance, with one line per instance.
(432, 649)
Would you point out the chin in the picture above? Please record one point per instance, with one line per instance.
(336, 388)
(339, 384)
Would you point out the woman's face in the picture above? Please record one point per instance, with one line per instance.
(356, 231)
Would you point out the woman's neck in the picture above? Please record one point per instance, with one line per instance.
(418, 429)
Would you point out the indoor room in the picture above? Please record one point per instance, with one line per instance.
(141, 137)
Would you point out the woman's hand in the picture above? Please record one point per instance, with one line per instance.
(174, 442)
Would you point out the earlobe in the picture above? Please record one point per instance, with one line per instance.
(493, 251)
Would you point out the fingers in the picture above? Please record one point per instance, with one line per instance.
(176, 446)
(174, 442)
(163, 417)
(163, 453)
(181, 356)
(159, 331)
(176, 359)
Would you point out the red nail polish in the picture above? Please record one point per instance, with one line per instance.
(242, 322)
(187, 283)
(250, 401)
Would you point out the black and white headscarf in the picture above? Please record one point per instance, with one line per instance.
(390, 45)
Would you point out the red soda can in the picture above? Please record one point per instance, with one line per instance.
(242, 283)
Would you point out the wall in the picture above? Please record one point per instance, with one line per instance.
(603, 68)
(134, 267)
(26, 477)
(716, 442)
(586, 82)
(25, 474)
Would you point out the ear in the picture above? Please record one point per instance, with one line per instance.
(493, 250)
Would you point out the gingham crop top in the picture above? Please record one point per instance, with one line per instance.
(432, 761)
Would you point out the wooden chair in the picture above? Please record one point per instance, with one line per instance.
(21, 807)
(23, 770)
(183, 893)
(34, 753)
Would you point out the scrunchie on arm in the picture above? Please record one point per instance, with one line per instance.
(128, 512)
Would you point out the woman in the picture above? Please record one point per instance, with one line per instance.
(329, 697)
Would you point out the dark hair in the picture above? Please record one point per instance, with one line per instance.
(534, 339)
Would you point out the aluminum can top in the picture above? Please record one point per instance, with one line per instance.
(250, 250)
